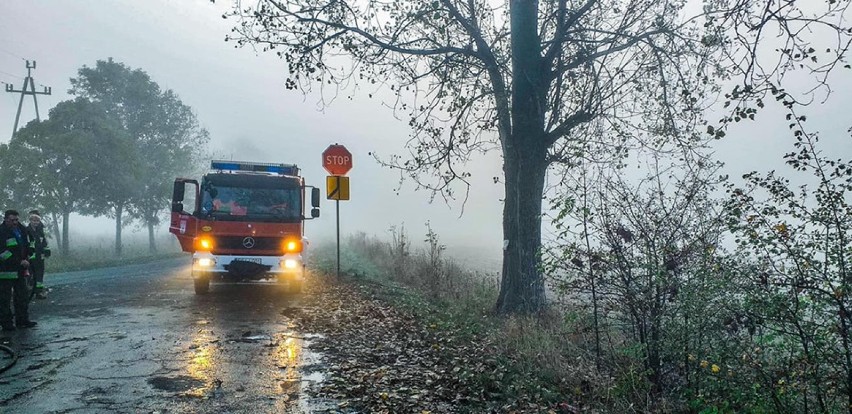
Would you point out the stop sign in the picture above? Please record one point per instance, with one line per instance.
(337, 160)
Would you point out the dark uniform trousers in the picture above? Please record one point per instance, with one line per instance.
(14, 287)
(37, 271)
(17, 291)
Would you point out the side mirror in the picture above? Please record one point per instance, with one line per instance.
(315, 199)
(177, 207)
(314, 212)
(178, 193)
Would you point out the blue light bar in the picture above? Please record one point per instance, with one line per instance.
(282, 169)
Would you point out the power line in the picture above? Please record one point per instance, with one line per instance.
(11, 54)
(14, 76)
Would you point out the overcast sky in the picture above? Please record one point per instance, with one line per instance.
(240, 98)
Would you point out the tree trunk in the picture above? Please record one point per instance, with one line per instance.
(522, 285)
(524, 167)
(54, 226)
(119, 210)
(654, 359)
(152, 245)
(65, 215)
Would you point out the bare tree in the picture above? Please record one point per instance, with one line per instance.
(534, 79)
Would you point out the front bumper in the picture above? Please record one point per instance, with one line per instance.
(286, 267)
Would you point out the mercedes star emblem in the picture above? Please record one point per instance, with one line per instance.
(248, 242)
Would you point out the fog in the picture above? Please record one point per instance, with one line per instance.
(239, 96)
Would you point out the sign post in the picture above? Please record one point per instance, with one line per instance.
(337, 160)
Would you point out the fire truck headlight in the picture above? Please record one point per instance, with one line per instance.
(290, 264)
(292, 245)
(204, 243)
(206, 262)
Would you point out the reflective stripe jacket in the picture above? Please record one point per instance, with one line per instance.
(12, 252)
(38, 242)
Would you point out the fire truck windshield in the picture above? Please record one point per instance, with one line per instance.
(250, 201)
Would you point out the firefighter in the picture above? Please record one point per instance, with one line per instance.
(14, 272)
(41, 250)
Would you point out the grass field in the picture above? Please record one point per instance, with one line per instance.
(98, 252)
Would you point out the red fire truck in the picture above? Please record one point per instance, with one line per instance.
(243, 221)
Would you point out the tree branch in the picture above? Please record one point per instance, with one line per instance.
(374, 39)
(562, 27)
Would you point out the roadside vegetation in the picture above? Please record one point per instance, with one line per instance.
(681, 291)
(99, 252)
(516, 364)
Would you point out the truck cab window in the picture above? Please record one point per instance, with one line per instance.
(255, 203)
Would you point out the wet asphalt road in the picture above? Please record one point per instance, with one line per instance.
(137, 339)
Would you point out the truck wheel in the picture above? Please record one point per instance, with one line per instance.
(295, 286)
(202, 285)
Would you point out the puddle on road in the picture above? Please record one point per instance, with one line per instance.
(296, 360)
(180, 383)
(250, 338)
(314, 377)
(279, 366)
(301, 371)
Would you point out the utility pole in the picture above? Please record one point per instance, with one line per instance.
(27, 89)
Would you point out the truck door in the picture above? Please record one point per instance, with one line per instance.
(184, 217)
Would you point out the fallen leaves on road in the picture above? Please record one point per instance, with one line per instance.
(382, 360)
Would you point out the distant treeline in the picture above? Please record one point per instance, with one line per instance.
(113, 150)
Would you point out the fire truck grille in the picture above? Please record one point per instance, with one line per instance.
(248, 243)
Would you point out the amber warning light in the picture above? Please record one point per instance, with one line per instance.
(204, 244)
(292, 246)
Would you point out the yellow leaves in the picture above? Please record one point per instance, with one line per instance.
(781, 230)
(383, 396)
(714, 368)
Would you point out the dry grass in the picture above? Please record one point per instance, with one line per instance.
(546, 359)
